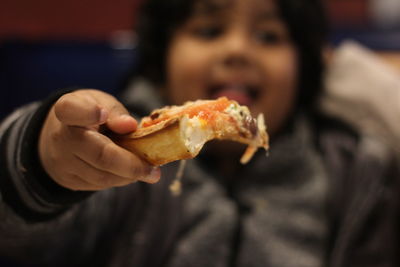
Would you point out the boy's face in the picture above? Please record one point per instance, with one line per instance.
(235, 48)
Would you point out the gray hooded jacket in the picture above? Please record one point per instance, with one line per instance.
(323, 197)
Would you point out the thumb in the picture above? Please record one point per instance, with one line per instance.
(118, 118)
(92, 108)
(121, 123)
(80, 109)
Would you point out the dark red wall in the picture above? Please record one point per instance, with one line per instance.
(65, 19)
(97, 19)
(348, 12)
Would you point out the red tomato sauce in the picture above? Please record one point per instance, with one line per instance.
(206, 111)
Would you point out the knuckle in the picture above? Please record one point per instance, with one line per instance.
(56, 136)
(63, 104)
(80, 135)
(104, 156)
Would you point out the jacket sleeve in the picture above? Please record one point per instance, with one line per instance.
(43, 224)
(35, 212)
(25, 187)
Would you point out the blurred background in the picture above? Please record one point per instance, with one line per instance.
(46, 45)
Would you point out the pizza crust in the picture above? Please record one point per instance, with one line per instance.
(169, 141)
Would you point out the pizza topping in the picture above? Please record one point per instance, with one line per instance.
(205, 110)
(195, 132)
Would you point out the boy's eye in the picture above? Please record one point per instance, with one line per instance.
(269, 37)
(208, 32)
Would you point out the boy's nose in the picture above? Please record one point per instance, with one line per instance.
(236, 51)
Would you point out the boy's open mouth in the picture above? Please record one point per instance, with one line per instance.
(242, 93)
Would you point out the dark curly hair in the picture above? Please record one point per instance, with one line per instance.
(305, 19)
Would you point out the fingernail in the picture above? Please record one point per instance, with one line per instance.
(126, 117)
(154, 176)
(103, 115)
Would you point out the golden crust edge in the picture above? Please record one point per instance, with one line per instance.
(158, 146)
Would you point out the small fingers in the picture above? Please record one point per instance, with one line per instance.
(98, 179)
(100, 152)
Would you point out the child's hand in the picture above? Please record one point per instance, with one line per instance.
(78, 156)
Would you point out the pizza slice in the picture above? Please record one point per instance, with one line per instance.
(179, 132)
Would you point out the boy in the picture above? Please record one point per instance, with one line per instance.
(72, 200)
